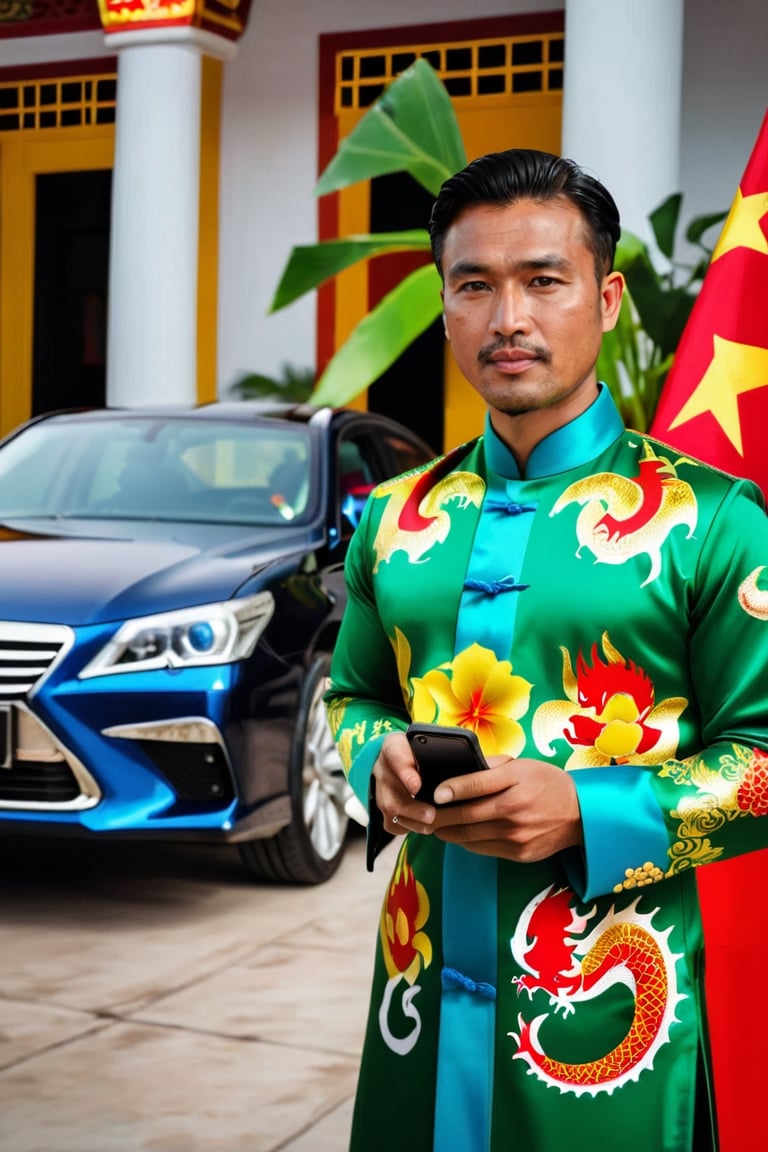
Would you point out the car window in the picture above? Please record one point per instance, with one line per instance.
(404, 455)
(355, 478)
(155, 469)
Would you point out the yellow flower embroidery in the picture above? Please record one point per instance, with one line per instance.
(476, 690)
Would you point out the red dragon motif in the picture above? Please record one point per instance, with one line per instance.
(415, 517)
(624, 517)
(623, 948)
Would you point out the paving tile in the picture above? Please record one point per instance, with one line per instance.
(160, 1001)
(134, 1088)
(331, 1134)
(27, 1028)
(308, 998)
(103, 971)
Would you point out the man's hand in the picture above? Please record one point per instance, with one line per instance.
(523, 810)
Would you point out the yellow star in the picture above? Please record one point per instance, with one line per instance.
(742, 228)
(733, 369)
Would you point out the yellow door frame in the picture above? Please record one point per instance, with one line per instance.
(522, 109)
(23, 157)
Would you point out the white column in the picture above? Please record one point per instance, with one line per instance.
(152, 322)
(622, 99)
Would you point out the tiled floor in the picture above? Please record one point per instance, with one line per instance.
(154, 1000)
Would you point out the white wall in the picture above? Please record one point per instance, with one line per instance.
(269, 164)
(21, 50)
(725, 97)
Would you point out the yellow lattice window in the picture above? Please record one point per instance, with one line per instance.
(500, 67)
(69, 102)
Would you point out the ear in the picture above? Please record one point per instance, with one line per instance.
(445, 322)
(611, 292)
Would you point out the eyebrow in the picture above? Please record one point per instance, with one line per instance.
(538, 264)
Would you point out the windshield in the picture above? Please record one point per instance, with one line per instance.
(139, 468)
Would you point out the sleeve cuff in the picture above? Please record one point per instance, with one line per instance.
(623, 829)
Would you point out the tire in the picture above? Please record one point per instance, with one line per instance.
(311, 847)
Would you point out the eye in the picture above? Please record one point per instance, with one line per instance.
(544, 281)
(473, 286)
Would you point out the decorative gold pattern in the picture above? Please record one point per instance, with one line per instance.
(721, 796)
(225, 17)
(648, 873)
(754, 599)
(12, 10)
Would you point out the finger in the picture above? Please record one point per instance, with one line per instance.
(397, 759)
(415, 818)
(473, 785)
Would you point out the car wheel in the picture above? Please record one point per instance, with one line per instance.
(310, 848)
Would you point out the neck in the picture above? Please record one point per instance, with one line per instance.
(522, 431)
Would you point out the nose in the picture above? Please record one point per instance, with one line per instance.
(510, 313)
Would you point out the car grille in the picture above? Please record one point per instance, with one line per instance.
(36, 771)
(51, 785)
(27, 653)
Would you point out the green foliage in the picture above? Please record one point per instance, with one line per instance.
(382, 336)
(311, 265)
(293, 384)
(411, 128)
(637, 355)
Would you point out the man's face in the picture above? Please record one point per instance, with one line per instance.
(522, 307)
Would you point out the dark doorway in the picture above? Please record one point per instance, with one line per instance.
(71, 278)
(411, 390)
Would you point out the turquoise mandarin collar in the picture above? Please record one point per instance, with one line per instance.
(568, 447)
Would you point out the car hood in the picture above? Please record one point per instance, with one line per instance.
(84, 577)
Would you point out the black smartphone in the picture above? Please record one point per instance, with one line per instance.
(442, 752)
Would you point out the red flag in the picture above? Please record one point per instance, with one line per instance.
(714, 406)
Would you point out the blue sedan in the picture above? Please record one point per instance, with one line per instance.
(171, 585)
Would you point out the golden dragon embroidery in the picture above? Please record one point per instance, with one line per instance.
(622, 518)
(415, 518)
(753, 596)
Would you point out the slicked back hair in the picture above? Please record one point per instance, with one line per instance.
(503, 178)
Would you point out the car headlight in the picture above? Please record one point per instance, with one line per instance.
(209, 634)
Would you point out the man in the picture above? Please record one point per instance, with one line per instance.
(592, 606)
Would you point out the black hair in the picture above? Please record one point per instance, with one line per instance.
(503, 178)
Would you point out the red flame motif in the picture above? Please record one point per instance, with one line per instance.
(402, 906)
(612, 689)
(405, 947)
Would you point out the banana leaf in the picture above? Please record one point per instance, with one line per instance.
(412, 127)
(380, 337)
(664, 220)
(701, 224)
(311, 265)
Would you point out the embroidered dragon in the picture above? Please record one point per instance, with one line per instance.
(622, 948)
(622, 518)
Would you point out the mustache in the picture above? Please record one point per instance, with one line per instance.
(537, 350)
